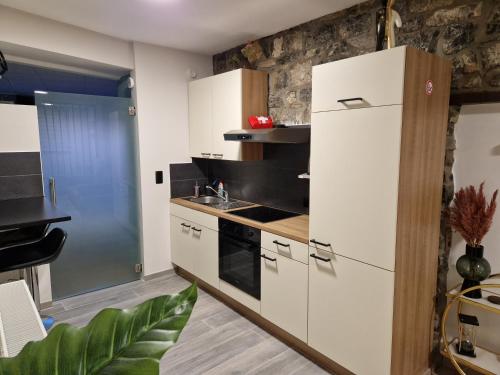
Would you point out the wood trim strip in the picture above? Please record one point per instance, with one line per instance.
(324, 362)
(254, 102)
(425, 119)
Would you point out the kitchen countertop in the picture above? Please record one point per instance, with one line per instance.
(295, 228)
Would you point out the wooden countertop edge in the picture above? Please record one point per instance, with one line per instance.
(295, 228)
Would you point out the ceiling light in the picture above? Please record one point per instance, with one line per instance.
(48, 104)
(41, 92)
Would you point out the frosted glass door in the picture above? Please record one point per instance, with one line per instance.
(88, 145)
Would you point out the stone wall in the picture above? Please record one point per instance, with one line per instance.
(465, 31)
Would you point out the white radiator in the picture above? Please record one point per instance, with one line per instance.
(20, 321)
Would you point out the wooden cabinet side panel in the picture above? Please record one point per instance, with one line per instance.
(419, 206)
(255, 92)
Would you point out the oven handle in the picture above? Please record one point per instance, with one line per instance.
(265, 257)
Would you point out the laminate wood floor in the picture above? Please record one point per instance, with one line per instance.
(216, 340)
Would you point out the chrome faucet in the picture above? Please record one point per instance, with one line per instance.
(224, 195)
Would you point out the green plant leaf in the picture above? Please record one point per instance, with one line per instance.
(130, 341)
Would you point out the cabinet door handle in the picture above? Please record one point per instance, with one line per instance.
(321, 243)
(343, 101)
(320, 258)
(196, 229)
(185, 225)
(265, 257)
(218, 155)
(206, 154)
(281, 244)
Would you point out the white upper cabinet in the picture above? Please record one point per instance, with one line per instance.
(222, 103)
(200, 115)
(354, 183)
(370, 80)
(227, 105)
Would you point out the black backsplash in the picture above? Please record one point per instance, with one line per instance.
(20, 175)
(272, 182)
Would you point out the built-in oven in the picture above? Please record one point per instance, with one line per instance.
(239, 256)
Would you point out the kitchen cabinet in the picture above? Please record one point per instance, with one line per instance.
(195, 249)
(284, 293)
(222, 103)
(200, 109)
(377, 153)
(358, 193)
(181, 244)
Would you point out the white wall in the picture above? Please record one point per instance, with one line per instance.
(21, 29)
(477, 159)
(162, 113)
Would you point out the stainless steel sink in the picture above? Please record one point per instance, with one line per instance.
(208, 200)
(219, 203)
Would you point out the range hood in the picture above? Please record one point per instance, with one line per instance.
(280, 134)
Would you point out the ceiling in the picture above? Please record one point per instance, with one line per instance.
(204, 26)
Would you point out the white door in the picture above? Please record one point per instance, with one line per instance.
(354, 182)
(350, 313)
(206, 254)
(284, 293)
(200, 118)
(181, 242)
(227, 113)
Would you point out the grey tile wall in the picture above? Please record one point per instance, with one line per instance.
(20, 175)
(271, 182)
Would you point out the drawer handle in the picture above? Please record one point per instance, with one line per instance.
(196, 229)
(206, 154)
(321, 243)
(343, 101)
(320, 258)
(218, 155)
(265, 257)
(281, 244)
(185, 225)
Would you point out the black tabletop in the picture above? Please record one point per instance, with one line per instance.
(26, 212)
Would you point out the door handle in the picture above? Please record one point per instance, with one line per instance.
(281, 244)
(52, 188)
(320, 258)
(185, 225)
(206, 154)
(265, 257)
(343, 101)
(321, 243)
(219, 156)
(196, 229)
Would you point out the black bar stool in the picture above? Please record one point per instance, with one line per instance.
(27, 254)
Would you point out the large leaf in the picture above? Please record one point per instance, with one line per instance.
(129, 342)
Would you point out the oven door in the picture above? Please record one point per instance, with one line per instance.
(239, 263)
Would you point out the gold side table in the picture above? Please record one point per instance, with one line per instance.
(486, 361)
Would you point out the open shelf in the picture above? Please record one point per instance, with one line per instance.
(481, 302)
(486, 362)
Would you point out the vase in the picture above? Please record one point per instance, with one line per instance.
(474, 268)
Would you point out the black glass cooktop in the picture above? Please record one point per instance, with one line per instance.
(264, 214)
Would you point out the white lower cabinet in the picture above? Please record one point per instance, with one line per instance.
(181, 244)
(350, 312)
(206, 254)
(195, 249)
(284, 293)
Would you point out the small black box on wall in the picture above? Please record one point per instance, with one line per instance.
(159, 177)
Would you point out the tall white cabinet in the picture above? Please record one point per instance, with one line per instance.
(222, 103)
(377, 155)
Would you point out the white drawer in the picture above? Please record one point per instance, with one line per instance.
(200, 218)
(285, 246)
(376, 78)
